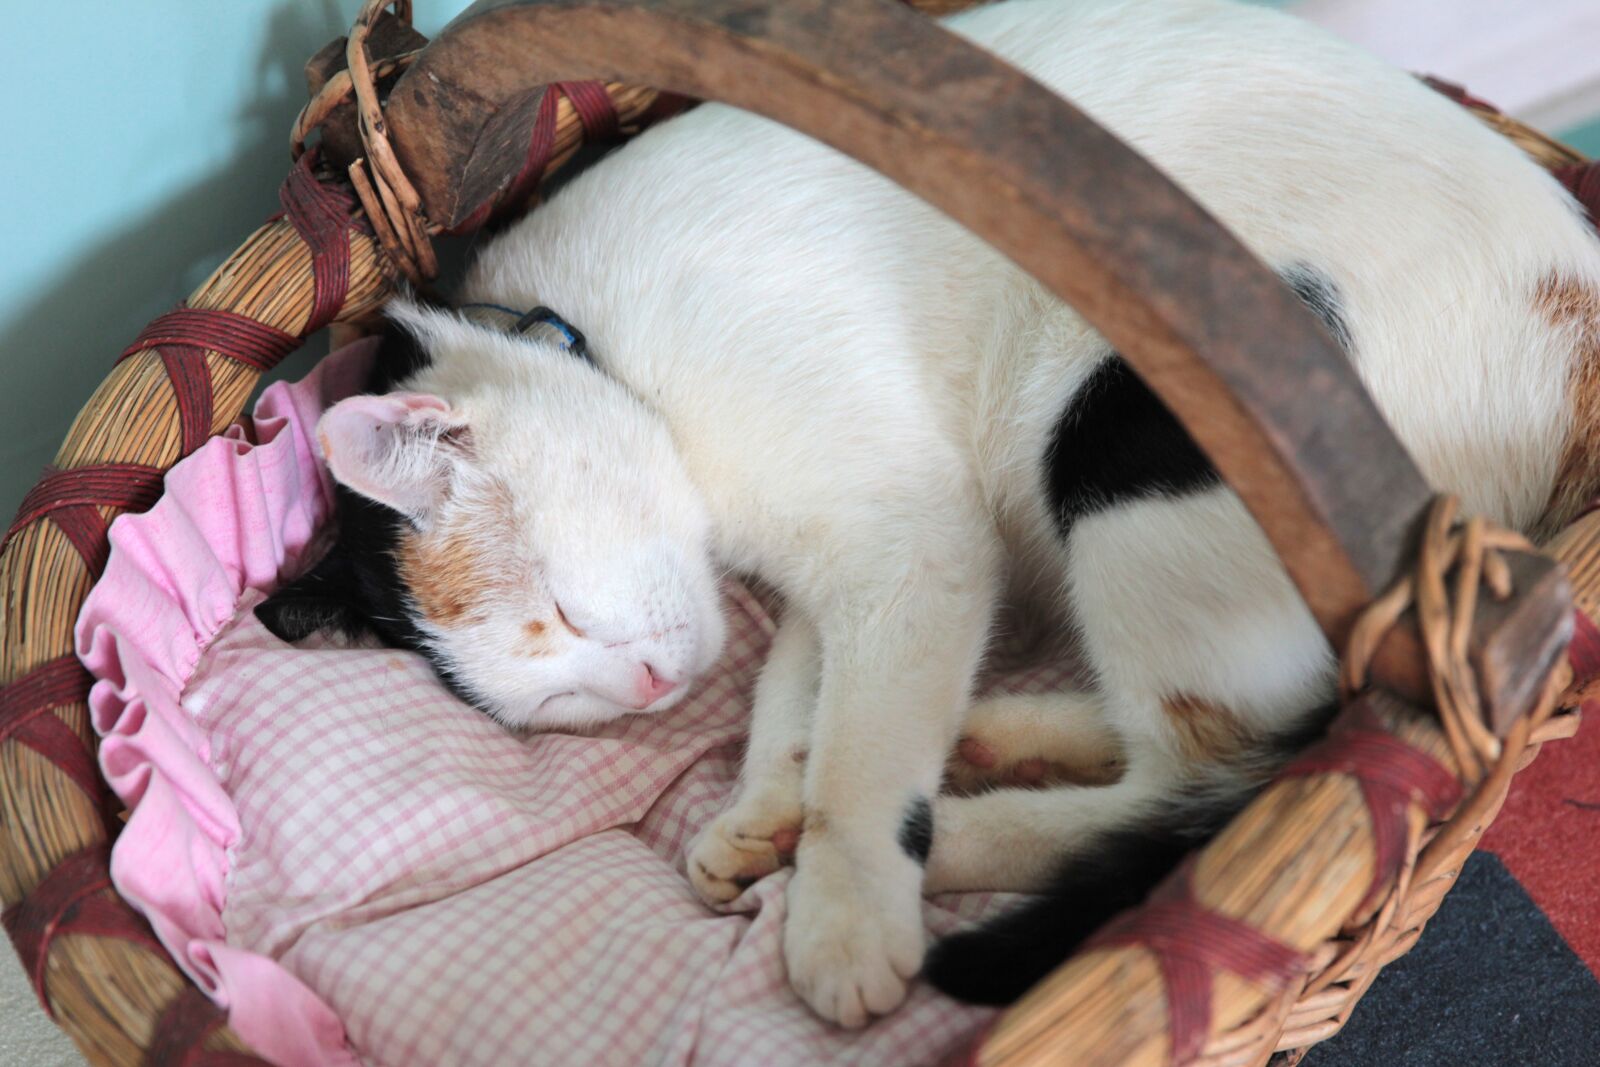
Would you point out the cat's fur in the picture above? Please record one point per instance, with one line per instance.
(808, 375)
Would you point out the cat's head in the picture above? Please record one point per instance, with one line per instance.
(522, 520)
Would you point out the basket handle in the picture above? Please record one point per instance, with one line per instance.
(1248, 371)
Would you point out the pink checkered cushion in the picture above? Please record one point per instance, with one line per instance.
(359, 866)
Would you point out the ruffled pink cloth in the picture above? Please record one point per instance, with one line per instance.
(362, 869)
(235, 514)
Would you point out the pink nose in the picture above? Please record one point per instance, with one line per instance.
(650, 686)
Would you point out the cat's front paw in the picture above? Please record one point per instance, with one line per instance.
(853, 938)
(744, 844)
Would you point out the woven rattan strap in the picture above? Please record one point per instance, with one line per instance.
(1454, 563)
(598, 117)
(183, 1030)
(76, 500)
(72, 500)
(322, 214)
(1191, 944)
(72, 899)
(1392, 775)
(26, 707)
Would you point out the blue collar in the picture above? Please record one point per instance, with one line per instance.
(541, 316)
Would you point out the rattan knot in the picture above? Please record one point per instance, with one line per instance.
(569, 115)
(390, 200)
(1456, 561)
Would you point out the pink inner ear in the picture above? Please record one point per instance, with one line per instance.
(370, 444)
(391, 407)
(416, 401)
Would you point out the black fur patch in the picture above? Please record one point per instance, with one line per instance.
(356, 589)
(399, 357)
(1002, 959)
(1116, 441)
(999, 961)
(1319, 294)
(916, 830)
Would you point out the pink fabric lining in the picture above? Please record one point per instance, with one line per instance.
(233, 515)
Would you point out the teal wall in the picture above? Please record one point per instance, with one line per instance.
(143, 141)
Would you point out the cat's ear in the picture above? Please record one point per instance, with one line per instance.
(320, 599)
(399, 449)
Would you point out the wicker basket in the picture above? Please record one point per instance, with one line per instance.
(1310, 871)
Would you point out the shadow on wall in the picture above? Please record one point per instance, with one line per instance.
(59, 347)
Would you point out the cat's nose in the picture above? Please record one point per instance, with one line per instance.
(650, 687)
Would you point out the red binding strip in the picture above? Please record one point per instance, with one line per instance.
(132, 486)
(1457, 93)
(1392, 776)
(71, 900)
(596, 113)
(25, 717)
(190, 376)
(86, 530)
(186, 1024)
(1191, 942)
(320, 213)
(238, 337)
(1584, 651)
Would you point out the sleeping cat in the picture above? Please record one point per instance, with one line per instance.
(727, 347)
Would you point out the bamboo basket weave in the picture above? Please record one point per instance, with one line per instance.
(329, 260)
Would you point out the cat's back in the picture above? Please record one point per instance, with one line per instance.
(730, 264)
(1458, 268)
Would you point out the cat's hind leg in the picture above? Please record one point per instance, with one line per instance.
(1034, 739)
(759, 832)
(1212, 670)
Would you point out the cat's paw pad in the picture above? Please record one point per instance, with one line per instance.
(852, 943)
(978, 764)
(740, 847)
(1006, 742)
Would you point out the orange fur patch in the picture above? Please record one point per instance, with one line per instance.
(456, 570)
(447, 577)
(1574, 309)
(1206, 731)
(536, 638)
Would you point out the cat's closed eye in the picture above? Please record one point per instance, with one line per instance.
(561, 616)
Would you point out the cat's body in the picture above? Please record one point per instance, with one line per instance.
(808, 375)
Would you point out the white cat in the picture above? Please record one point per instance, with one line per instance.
(803, 373)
